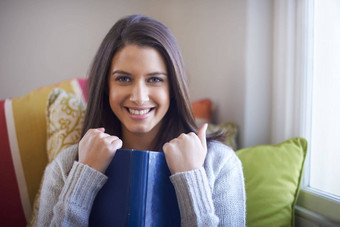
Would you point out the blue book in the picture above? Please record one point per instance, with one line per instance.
(138, 192)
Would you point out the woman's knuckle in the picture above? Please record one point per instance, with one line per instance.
(116, 142)
(182, 135)
(191, 134)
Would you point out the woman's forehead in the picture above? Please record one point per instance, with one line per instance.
(136, 58)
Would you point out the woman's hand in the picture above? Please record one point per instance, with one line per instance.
(97, 149)
(186, 152)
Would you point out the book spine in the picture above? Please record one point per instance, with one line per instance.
(138, 188)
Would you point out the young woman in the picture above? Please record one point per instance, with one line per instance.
(138, 99)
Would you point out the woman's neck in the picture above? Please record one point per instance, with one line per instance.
(139, 141)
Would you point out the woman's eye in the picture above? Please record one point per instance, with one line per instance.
(123, 79)
(155, 80)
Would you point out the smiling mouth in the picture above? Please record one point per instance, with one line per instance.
(139, 112)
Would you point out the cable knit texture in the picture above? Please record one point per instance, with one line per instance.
(213, 195)
(68, 191)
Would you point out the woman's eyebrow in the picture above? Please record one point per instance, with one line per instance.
(120, 72)
(129, 74)
(157, 73)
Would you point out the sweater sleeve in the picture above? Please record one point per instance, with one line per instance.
(194, 198)
(213, 195)
(229, 194)
(67, 200)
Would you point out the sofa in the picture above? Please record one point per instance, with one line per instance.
(34, 128)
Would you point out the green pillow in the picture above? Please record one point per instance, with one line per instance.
(272, 177)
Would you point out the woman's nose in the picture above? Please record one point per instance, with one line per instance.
(139, 93)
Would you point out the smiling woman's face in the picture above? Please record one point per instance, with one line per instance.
(139, 89)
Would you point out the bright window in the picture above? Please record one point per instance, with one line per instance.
(324, 172)
(306, 99)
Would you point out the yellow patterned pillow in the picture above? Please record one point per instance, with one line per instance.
(65, 118)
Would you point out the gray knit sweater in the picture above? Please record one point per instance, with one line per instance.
(213, 195)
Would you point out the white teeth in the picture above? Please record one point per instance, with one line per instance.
(139, 112)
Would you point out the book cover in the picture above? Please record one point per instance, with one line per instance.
(138, 192)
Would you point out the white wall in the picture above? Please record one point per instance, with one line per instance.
(226, 47)
(258, 83)
(45, 42)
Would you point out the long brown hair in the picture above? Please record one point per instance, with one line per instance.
(143, 31)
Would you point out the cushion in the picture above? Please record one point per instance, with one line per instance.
(23, 150)
(65, 118)
(272, 179)
(203, 111)
(230, 130)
